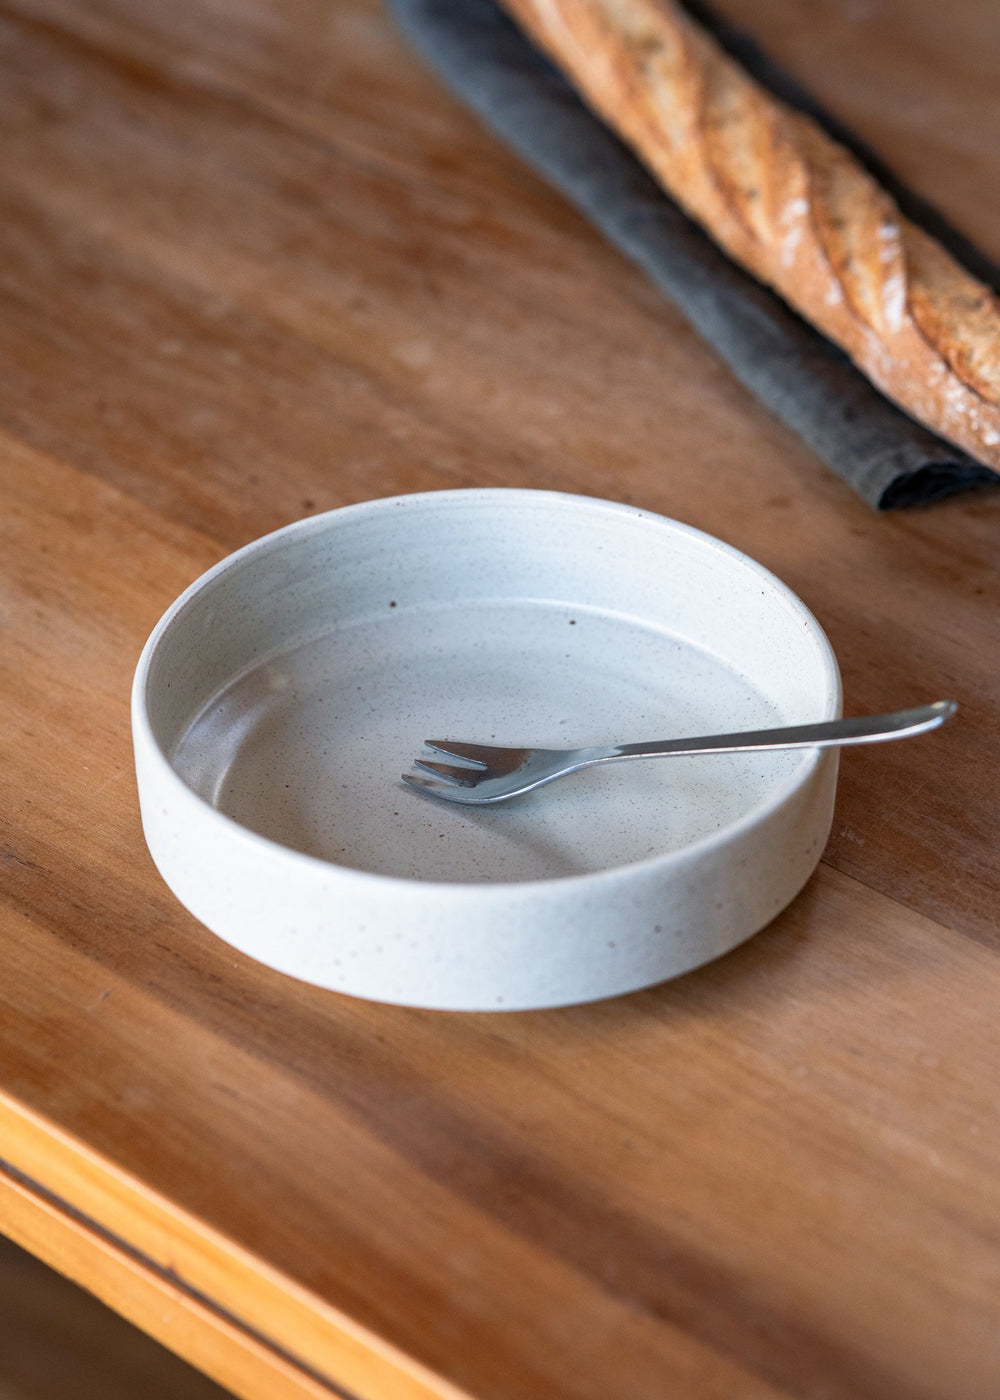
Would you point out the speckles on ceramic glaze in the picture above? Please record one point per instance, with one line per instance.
(308, 748)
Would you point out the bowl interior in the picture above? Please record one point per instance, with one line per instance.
(293, 685)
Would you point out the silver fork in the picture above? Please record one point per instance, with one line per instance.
(487, 773)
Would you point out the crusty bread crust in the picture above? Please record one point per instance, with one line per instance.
(789, 204)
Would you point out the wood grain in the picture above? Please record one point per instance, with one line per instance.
(254, 264)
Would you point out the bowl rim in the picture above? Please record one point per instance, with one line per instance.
(468, 890)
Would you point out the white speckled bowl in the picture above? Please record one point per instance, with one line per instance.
(280, 698)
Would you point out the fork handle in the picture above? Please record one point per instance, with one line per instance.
(869, 729)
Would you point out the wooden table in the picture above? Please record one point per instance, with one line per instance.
(255, 263)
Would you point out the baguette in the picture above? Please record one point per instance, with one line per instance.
(789, 204)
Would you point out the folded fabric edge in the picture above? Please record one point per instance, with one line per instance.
(933, 482)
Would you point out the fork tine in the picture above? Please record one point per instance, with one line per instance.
(463, 777)
(426, 784)
(476, 754)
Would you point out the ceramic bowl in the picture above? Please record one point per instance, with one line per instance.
(279, 700)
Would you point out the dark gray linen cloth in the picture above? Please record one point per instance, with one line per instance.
(890, 459)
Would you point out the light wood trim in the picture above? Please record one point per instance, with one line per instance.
(205, 1263)
(164, 1309)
